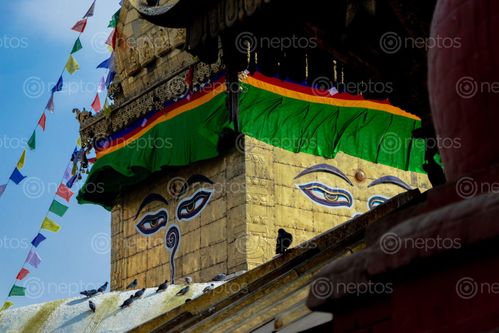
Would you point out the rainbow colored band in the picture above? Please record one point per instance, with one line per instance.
(307, 94)
(124, 137)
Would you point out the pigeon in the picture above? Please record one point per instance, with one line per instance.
(89, 293)
(139, 293)
(188, 280)
(127, 302)
(284, 240)
(183, 291)
(132, 285)
(162, 286)
(220, 277)
(208, 288)
(102, 288)
(91, 305)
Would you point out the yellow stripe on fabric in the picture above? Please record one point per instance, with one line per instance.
(328, 100)
(167, 116)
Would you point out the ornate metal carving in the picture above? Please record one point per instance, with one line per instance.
(126, 110)
(82, 116)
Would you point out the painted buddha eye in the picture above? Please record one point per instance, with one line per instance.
(152, 222)
(327, 196)
(191, 207)
(375, 201)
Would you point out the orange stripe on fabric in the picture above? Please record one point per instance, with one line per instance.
(167, 116)
(328, 100)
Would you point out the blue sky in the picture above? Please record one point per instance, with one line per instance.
(35, 41)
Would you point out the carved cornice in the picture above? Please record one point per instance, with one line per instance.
(126, 110)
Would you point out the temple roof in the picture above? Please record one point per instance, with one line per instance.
(73, 314)
(269, 297)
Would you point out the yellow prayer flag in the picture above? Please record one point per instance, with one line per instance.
(72, 66)
(50, 225)
(78, 142)
(6, 305)
(20, 164)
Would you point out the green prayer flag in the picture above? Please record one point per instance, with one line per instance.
(17, 291)
(32, 141)
(77, 47)
(114, 21)
(58, 208)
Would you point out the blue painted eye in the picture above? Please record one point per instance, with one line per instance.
(375, 201)
(152, 222)
(191, 207)
(327, 196)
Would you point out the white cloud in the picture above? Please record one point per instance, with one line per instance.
(53, 19)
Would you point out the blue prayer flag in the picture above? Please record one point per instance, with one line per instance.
(38, 239)
(58, 86)
(107, 64)
(17, 176)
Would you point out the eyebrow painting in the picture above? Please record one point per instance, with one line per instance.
(152, 197)
(326, 168)
(391, 180)
(194, 179)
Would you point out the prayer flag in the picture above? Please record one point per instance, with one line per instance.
(106, 64)
(64, 192)
(38, 239)
(77, 46)
(58, 208)
(33, 259)
(67, 173)
(114, 20)
(90, 11)
(50, 104)
(110, 78)
(20, 164)
(32, 141)
(71, 181)
(6, 305)
(72, 66)
(16, 176)
(17, 291)
(2, 189)
(50, 225)
(80, 25)
(111, 40)
(42, 121)
(58, 85)
(22, 274)
(102, 85)
(96, 103)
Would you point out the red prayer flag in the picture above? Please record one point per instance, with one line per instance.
(96, 104)
(111, 40)
(64, 192)
(80, 25)
(22, 274)
(42, 121)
